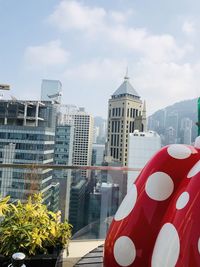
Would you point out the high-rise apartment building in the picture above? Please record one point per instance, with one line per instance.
(27, 133)
(126, 112)
(83, 136)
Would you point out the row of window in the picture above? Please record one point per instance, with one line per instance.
(114, 153)
(115, 128)
(119, 112)
(38, 157)
(27, 136)
(115, 140)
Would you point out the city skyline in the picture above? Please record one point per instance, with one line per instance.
(87, 45)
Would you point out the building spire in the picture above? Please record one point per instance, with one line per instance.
(144, 107)
(126, 77)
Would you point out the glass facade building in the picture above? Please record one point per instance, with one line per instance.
(63, 156)
(27, 136)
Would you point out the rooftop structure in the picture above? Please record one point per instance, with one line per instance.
(126, 89)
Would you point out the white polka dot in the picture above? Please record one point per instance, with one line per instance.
(167, 247)
(159, 186)
(199, 245)
(197, 142)
(127, 204)
(124, 251)
(179, 151)
(182, 200)
(195, 169)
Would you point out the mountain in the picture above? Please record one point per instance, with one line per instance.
(175, 116)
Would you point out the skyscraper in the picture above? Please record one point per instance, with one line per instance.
(27, 135)
(77, 205)
(126, 112)
(186, 131)
(51, 90)
(63, 156)
(98, 151)
(171, 136)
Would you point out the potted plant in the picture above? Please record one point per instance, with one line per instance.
(32, 229)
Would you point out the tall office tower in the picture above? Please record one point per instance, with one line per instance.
(77, 205)
(27, 132)
(98, 151)
(142, 146)
(51, 90)
(186, 131)
(100, 126)
(170, 136)
(156, 122)
(172, 122)
(103, 204)
(83, 137)
(63, 156)
(125, 114)
(95, 134)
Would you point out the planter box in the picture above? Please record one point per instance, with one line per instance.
(4, 261)
(44, 260)
(48, 260)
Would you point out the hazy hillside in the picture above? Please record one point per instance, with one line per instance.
(184, 109)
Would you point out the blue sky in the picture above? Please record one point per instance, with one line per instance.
(87, 45)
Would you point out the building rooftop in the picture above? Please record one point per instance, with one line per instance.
(144, 134)
(126, 89)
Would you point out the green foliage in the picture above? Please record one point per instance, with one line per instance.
(31, 228)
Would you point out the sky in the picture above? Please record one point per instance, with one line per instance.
(88, 45)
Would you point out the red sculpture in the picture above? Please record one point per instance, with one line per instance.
(158, 222)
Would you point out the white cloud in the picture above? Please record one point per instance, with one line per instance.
(50, 54)
(160, 74)
(109, 27)
(155, 47)
(119, 17)
(71, 14)
(188, 27)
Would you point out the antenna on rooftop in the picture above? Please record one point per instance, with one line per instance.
(126, 75)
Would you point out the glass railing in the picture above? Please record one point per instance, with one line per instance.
(87, 196)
